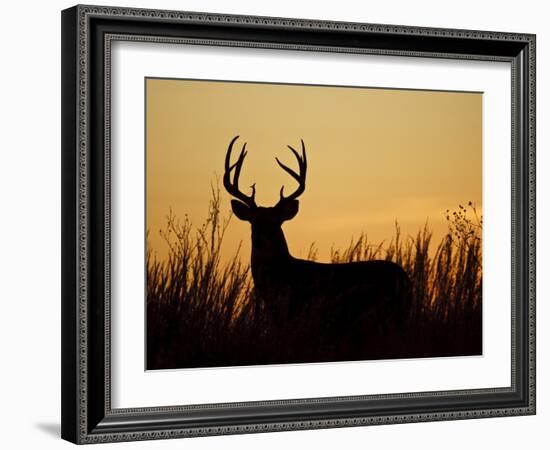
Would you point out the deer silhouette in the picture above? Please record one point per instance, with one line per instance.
(288, 285)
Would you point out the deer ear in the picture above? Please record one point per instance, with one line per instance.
(288, 209)
(241, 210)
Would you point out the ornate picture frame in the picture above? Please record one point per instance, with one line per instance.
(88, 415)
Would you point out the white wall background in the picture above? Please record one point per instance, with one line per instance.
(30, 225)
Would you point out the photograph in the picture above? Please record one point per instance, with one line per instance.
(301, 223)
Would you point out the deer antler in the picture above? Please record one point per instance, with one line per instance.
(299, 177)
(232, 186)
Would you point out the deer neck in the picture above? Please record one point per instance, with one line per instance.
(267, 252)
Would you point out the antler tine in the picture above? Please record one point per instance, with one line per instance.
(300, 178)
(288, 170)
(239, 165)
(228, 155)
(232, 186)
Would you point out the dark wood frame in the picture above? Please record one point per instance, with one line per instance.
(87, 32)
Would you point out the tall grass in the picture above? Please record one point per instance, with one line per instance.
(202, 312)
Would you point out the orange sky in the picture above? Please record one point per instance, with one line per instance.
(374, 156)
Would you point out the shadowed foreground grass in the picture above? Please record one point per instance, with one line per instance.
(204, 313)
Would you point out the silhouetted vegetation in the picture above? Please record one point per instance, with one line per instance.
(202, 312)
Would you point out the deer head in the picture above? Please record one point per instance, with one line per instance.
(266, 222)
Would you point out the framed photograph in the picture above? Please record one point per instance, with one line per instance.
(278, 224)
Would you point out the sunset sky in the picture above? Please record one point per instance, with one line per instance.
(374, 156)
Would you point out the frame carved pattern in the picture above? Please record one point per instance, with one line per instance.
(84, 14)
